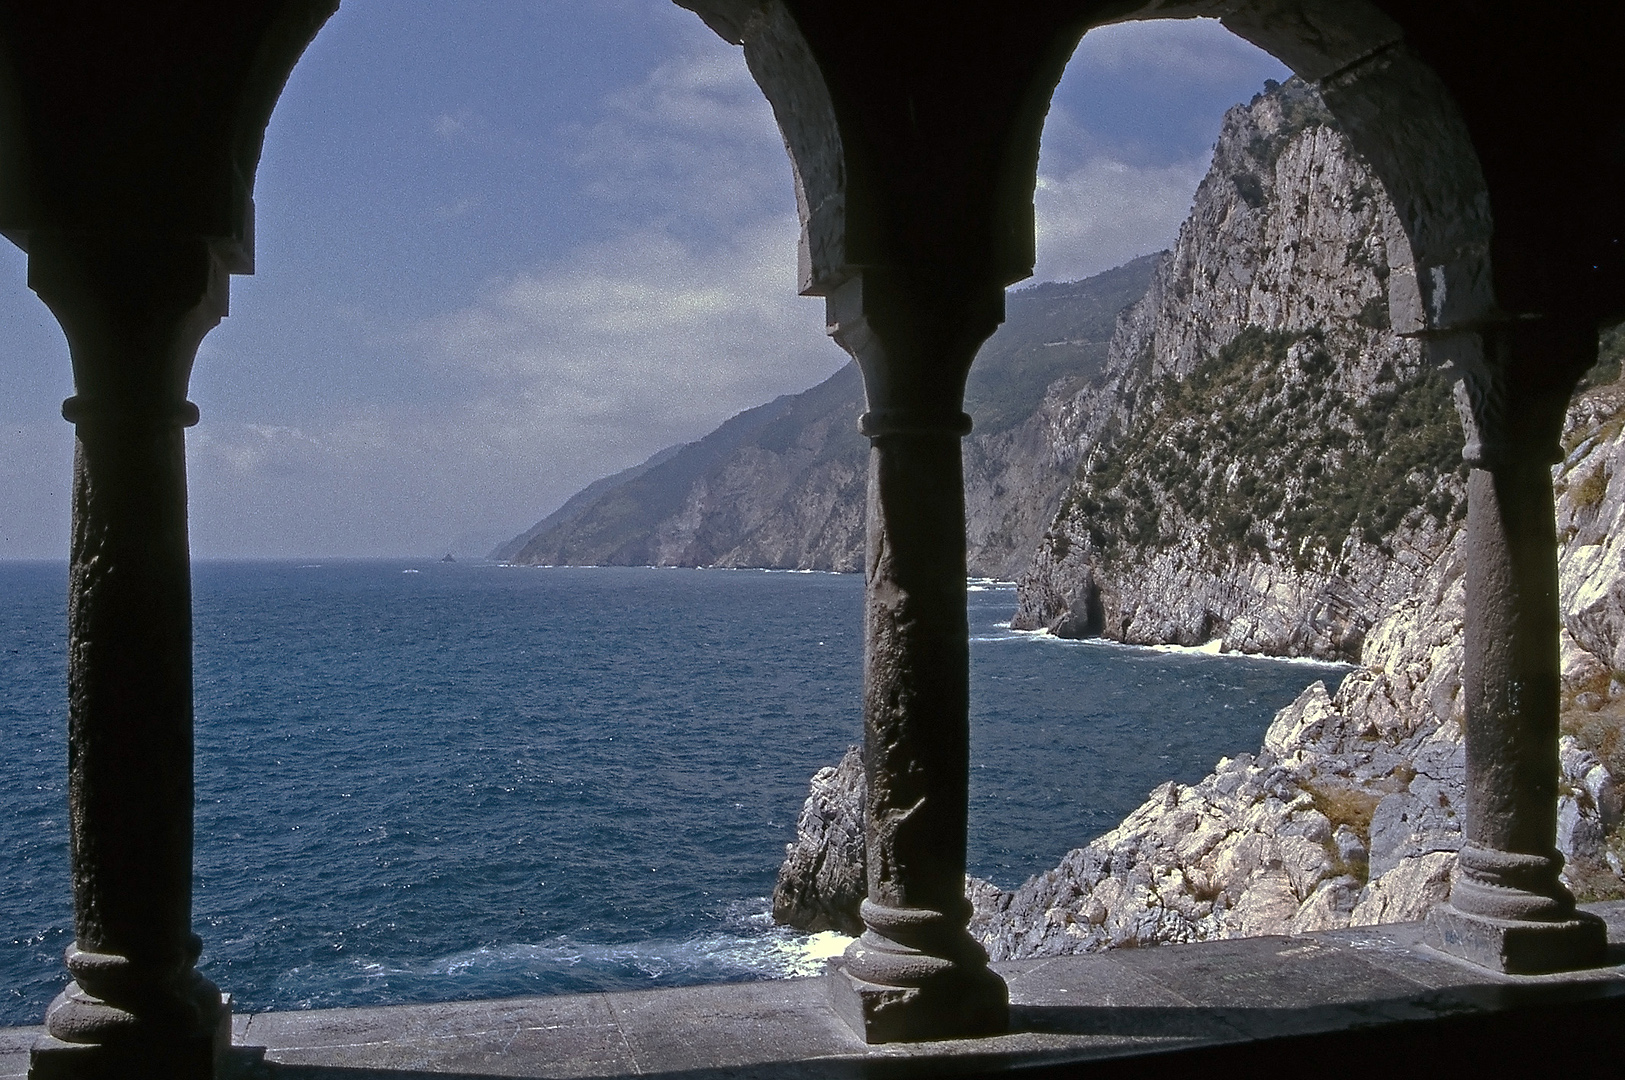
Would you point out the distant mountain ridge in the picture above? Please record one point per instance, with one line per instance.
(783, 485)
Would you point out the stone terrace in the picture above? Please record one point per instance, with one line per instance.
(1306, 1004)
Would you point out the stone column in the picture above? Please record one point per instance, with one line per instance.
(1507, 908)
(134, 312)
(916, 973)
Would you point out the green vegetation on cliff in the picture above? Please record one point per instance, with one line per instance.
(1260, 447)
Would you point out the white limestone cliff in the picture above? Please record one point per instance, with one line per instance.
(1287, 298)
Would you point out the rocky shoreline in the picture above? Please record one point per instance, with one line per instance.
(1349, 814)
(1265, 462)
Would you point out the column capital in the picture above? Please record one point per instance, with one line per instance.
(134, 308)
(914, 332)
(1516, 381)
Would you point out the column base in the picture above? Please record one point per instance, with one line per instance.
(196, 1057)
(958, 1005)
(1518, 946)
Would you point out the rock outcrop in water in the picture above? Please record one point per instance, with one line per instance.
(823, 878)
(1349, 814)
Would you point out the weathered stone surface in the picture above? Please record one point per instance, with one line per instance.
(823, 878)
(1406, 892)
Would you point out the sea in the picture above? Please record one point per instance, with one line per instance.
(428, 781)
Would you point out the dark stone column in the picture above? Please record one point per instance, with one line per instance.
(1507, 908)
(134, 312)
(916, 973)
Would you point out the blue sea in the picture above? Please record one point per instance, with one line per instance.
(429, 781)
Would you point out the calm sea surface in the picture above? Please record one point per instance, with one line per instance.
(419, 781)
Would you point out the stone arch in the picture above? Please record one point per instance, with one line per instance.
(174, 109)
(1395, 110)
(914, 138)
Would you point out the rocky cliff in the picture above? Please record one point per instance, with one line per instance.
(1266, 460)
(783, 485)
(1348, 815)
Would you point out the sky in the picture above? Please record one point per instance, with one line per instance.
(506, 247)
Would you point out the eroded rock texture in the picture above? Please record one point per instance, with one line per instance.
(824, 875)
(1265, 461)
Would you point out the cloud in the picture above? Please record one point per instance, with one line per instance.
(682, 312)
(693, 144)
(644, 334)
(1105, 212)
(564, 373)
(449, 125)
(455, 210)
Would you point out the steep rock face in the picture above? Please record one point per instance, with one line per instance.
(824, 875)
(784, 485)
(1266, 460)
(801, 455)
(1347, 815)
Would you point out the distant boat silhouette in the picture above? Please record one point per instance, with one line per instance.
(448, 558)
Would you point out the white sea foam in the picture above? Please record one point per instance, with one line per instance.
(1210, 648)
(775, 954)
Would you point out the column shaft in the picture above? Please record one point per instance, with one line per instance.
(1508, 909)
(916, 973)
(134, 314)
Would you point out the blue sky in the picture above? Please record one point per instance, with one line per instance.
(506, 247)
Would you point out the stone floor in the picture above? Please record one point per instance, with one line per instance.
(1172, 1010)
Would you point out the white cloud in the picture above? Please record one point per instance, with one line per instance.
(694, 142)
(449, 125)
(571, 371)
(645, 335)
(455, 210)
(1106, 212)
(684, 313)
